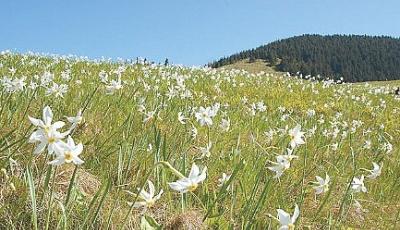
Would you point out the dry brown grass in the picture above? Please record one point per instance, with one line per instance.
(85, 181)
(189, 220)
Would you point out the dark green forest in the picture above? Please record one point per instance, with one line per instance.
(356, 58)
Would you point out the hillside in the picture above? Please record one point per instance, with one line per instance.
(119, 145)
(352, 57)
(255, 66)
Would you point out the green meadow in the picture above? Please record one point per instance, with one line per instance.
(141, 122)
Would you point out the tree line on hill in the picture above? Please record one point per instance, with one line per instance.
(355, 58)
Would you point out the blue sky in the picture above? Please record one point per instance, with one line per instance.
(190, 32)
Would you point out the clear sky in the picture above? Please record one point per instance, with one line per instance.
(190, 32)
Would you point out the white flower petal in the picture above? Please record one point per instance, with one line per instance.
(47, 115)
(40, 148)
(295, 214)
(284, 217)
(194, 172)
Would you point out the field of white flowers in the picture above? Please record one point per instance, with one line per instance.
(124, 145)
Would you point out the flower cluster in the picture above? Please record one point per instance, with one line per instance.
(47, 134)
(283, 161)
(183, 185)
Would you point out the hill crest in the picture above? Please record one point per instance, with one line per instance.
(356, 58)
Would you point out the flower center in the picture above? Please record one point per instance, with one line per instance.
(192, 187)
(150, 203)
(68, 156)
(291, 226)
(52, 140)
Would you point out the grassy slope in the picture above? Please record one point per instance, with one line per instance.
(260, 65)
(251, 67)
(116, 148)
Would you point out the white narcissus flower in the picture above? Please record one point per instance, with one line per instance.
(46, 132)
(13, 85)
(75, 121)
(149, 116)
(6, 82)
(279, 166)
(12, 70)
(287, 222)
(103, 75)
(46, 123)
(204, 116)
(190, 183)
(148, 199)
(66, 75)
(57, 90)
(51, 139)
(289, 155)
(46, 78)
(310, 112)
(33, 85)
(149, 147)
(334, 146)
(225, 125)
(205, 151)
(114, 86)
(68, 152)
(261, 107)
(18, 84)
(367, 144)
(282, 163)
(296, 136)
(322, 184)
(357, 185)
(375, 172)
